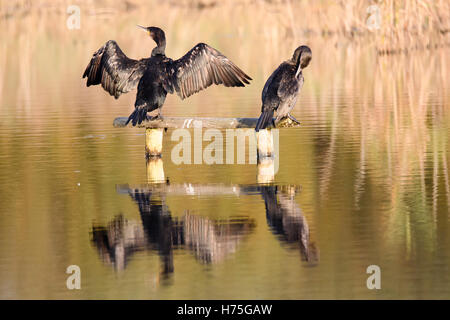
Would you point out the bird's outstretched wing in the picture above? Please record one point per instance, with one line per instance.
(111, 68)
(201, 67)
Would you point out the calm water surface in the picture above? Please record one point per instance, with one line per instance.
(363, 182)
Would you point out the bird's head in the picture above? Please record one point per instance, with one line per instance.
(302, 55)
(156, 34)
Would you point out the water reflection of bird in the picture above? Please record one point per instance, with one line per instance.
(158, 75)
(211, 241)
(285, 218)
(161, 231)
(118, 241)
(281, 89)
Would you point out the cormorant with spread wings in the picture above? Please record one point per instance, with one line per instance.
(158, 75)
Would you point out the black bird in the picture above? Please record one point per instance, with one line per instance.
(281, 89)
(158, 75)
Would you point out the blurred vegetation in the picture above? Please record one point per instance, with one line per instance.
(390, 26)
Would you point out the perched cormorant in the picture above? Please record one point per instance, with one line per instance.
(158, 75)
(281, 89)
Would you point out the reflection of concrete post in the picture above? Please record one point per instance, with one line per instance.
(265, 143)
(119, 256)
(155, 170)
(153, 142)
(266, 170)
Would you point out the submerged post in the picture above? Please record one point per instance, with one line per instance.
(266, 170)
(265, 143)
(153, 142)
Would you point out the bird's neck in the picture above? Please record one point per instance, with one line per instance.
(160, 49)
(298, 72)
(296, 64)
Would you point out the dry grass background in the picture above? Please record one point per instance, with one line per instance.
(403, 24)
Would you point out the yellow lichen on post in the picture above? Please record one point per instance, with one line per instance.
(265, 143)
(155, 170)
(153, 142)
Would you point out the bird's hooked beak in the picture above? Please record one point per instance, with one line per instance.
(146, 29)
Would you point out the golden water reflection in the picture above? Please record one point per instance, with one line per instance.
(211, 241)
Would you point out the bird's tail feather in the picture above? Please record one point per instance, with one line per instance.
(137, 116)
(264, 120)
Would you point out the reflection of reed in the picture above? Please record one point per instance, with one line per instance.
(2, 66)
(327, 167)
(211, 241)
(435, 174)
(394, 113)
(286, 219)
(25, 73)
(447, 185)
(361, 168)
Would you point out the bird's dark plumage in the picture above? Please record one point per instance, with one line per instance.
(111, 68)
(158, 75)
(201, 67)
(281, 89)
